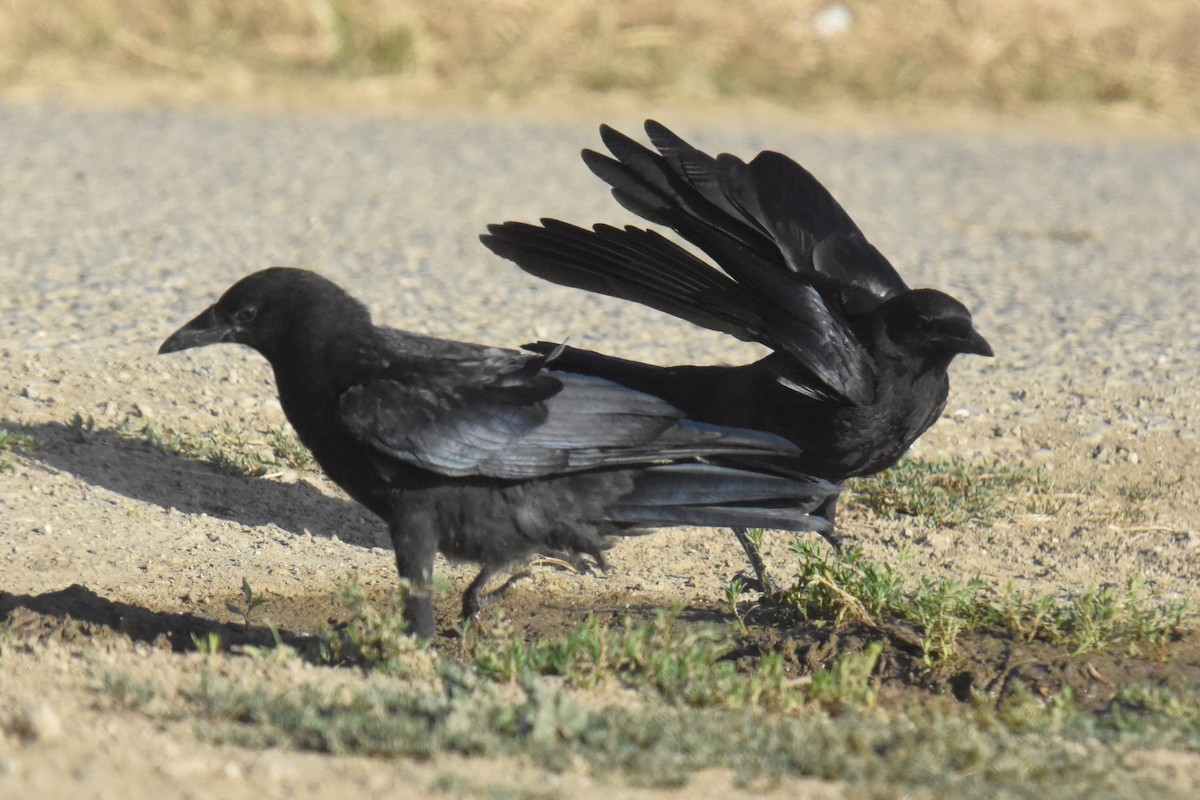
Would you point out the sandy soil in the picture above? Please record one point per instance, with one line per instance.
(1096, 382)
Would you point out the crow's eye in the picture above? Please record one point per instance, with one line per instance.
(245, 314)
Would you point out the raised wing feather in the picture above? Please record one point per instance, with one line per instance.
(815, 234)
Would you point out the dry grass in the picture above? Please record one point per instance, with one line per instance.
(1137, 54)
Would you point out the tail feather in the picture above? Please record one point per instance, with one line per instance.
(631, 264)
(711, 495)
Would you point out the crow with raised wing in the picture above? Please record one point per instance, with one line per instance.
(859, 363)
(486, 454)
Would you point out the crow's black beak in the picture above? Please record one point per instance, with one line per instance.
(207, 328)
(977, 344)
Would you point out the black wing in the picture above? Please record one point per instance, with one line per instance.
(525, 421)
(634, 264)
(815, 235)
(796, 267)
(771, 206)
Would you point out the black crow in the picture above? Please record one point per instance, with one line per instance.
(488, 454)
(859, 365)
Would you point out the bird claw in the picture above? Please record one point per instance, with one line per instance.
(764, 584)
(834, 539)
(475, 601)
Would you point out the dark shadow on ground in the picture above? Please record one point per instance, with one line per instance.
(140, 471)
(77, 612)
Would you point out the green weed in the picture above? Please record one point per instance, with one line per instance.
(953, 493)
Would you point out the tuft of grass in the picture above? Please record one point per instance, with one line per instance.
(847, 683)
(952, 493)
(253, 601)
(82, 427)
(1156, 717)
(14, 442)
(842, 587)
(837, 589)
(1097, 619)
(232, 450)
(134, 693)
(207, 645)
(377, 638)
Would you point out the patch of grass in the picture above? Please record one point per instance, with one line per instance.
(133, 693)
(878, 754)
(952, 493)
(835, 589)
(1135, 501)
(675, 662)
(681, 664)
(686, 703)
(847, 683)
(232, 450)
(1156, 717)
(1165, 716)
(1097, 619)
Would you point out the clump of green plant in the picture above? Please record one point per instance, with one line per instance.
(951, 493)
(692, 706)
(232, 450)
(13, 442)
(252, 602)
(377, 638)
(840, 587)
(1154, 717)
(82, 426)
(131, 692)
(834, 589)
(1096, 619)
(207, 645)
(847, 683)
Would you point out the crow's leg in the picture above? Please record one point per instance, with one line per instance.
(766, 583)
(475, 599)
(416, 546)
(828, 510)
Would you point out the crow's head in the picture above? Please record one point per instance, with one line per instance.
(932, 324)
(268, 311)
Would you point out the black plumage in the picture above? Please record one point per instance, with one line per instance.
(488, 454)
(859, 363)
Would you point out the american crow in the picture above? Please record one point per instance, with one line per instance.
(859, 365)
(488, 454)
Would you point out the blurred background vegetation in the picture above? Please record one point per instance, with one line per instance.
(1138, 58)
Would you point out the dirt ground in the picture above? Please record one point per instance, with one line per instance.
(113, 552)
